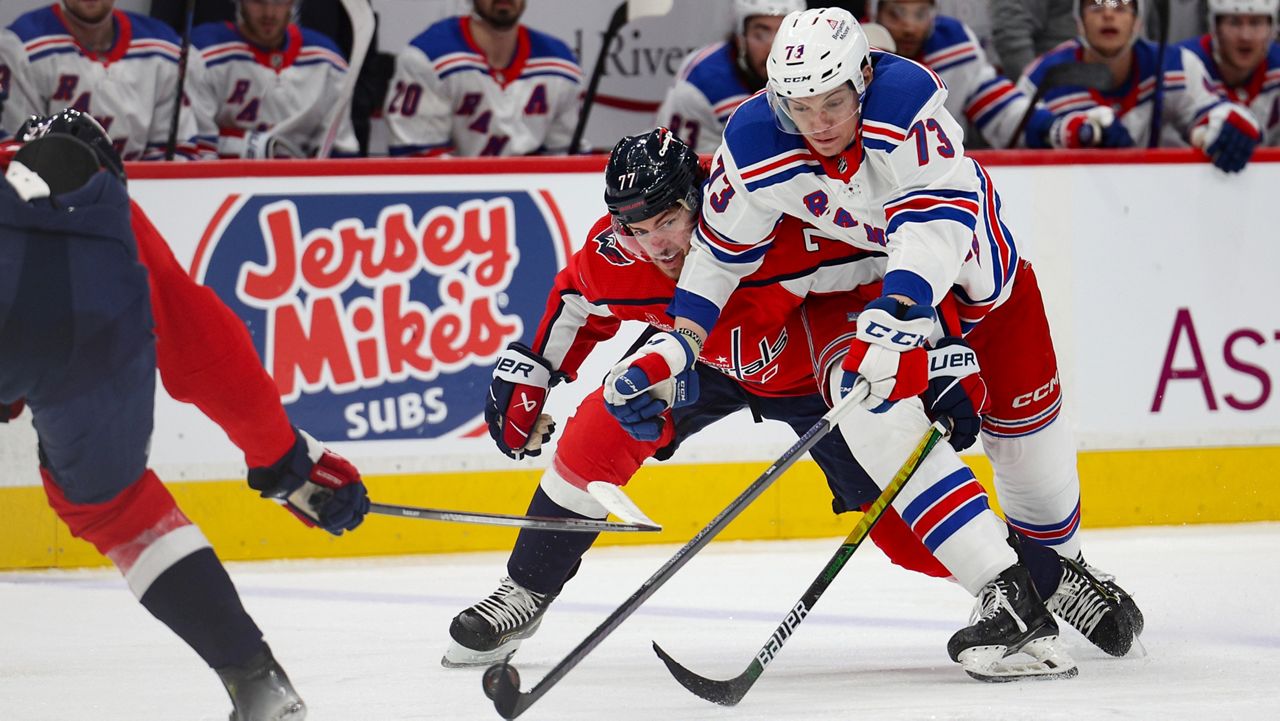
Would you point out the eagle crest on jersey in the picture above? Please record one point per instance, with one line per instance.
(608, 248)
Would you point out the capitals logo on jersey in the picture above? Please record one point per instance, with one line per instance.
(608, 248)
(380, 316)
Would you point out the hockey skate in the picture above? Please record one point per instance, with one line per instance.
(1127, 604)
(1095, 607)
(491, 631)
(1009, 618)
(260, 691)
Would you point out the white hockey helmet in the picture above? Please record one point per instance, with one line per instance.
(1270, 8)
(816, 51)
(743, 9)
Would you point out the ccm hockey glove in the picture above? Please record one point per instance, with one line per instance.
(655, 378)
(319, 486)
(1228, 136)
(888, 351)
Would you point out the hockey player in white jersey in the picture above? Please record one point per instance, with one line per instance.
(1182, 108)
(1242, 57)
(988, 102)
(858, 143)
(268, 85)
(715, 79)
(483, 84)
(119, 67)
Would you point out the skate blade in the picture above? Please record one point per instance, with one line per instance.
(1039, 659)
(459, 656)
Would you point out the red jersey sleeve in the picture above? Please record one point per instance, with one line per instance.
(574, 322)
(206, 356)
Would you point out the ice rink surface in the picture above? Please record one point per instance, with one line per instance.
(362, 639)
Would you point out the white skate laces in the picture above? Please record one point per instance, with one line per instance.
(510, 606)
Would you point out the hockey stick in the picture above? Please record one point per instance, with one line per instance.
(540, 523)
(1094, 76)
(730, 692)
(502, 681)
(1157, 100)
(628, 11)
(171, 146)
(362, 27)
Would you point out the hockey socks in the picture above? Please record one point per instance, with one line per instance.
(542, 561)
(195, 598)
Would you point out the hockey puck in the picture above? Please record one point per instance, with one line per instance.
(493, 676)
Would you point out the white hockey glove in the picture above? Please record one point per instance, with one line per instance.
(255, 145)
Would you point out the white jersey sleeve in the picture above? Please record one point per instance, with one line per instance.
(686, 112)
(15, 97)
(708, 88)
(976, 92)
(1190, 107)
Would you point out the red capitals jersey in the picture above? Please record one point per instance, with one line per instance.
(759, 339)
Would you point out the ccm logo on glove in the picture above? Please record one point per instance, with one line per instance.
(893, 335)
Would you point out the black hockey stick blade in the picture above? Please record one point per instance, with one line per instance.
(502, 683)
(730, 692)
(537, 523)
(725, 693)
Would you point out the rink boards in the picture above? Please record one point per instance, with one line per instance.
(378, 294)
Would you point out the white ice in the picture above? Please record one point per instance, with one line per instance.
(362, 639)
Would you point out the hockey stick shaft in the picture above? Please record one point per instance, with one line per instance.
(626, 12)
(728, 693)
(171, 147)
(362, 27)
(540, 523)
(1157, 100)
(507, 697)
(616, 22)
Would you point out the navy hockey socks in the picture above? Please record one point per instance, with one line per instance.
(542, 561)
(195, 598)
(1041, 562)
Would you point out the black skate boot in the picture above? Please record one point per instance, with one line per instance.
(1008, 618)
(260, 691)
(1093, 608)
(492, 630)
(1127, 604)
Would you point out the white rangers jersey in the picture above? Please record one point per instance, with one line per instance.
(1187, 97)
(444, 97)
(905, 186)
(289, 91)
(1260, 94)
(708, 88)
(988, 101)
(130, 88)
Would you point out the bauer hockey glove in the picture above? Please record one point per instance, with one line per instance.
(655, 378)
(319, 486)
(9, 411)
(513, 408)
(888, 351)
(1228, 136)
(956, 390)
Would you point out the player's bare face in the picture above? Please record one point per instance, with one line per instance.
(758, 35)
(1243, 40)
(826, 120)
(89, 11)
(664, 238)
(499, 14)
(1109, 26)
(264, 22)
(909, 22)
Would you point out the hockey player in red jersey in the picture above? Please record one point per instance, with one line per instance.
(761, 358)
(91, 303)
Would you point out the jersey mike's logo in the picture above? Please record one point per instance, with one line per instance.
(380, 316)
